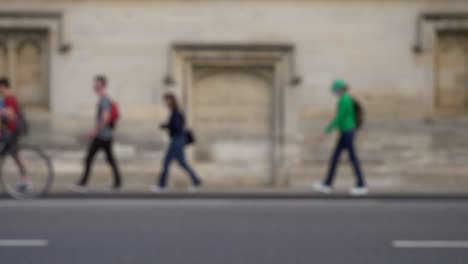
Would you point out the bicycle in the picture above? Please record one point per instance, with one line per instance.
(38, 166)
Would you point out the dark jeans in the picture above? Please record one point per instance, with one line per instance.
(346, 141)
(9, 144)
(176, 151)
(96, 145)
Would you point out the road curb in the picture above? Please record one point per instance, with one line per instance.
(255, 195)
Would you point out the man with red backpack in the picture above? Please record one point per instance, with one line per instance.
(102, 135)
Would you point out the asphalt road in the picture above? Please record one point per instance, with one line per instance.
(234, 231)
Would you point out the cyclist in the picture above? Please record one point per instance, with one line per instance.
(10, 134)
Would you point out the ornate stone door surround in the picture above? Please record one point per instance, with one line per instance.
(184, 57)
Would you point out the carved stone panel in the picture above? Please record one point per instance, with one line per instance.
(23, 58)
(452, 72)
(232, 114)
(3, 57)
(29, 72)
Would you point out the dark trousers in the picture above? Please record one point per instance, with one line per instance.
(10, 145)
(96, 145)
(176, 152)
(346, 141)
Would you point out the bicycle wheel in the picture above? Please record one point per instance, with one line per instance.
(39, 170)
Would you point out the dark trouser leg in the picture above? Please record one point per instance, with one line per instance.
(180, 156)
(112, 162)
(12, 148)
(19, 163)
(15, 154)
(92, 150)
(165, 166)
(360, 182)
(334, 161)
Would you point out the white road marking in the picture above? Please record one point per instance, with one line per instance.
(23, 243)
(429, 244)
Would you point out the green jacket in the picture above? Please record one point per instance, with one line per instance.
(345, 118)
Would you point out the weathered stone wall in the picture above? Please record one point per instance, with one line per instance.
(368, 43)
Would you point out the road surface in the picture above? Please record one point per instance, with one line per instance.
(234, 231)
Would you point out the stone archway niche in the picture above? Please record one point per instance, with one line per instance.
(233, 95)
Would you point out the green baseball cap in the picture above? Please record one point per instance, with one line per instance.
(338, 85)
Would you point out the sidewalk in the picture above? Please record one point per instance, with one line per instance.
(138, 175)
(260, 194)
(384, 180)
(398, 159)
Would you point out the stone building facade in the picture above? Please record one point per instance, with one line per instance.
(253, 76)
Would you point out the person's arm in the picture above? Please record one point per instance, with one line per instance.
(8, 111)
(340, 115)
(176, 122)
(104, 119)
(164, 125)
(167, 124)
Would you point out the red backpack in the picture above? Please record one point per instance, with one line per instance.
(114, 113)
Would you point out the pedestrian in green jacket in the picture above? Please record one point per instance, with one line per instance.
(345, 123)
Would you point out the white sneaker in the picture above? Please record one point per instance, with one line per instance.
(359, 191)
(78, 188)
(322, 188)
(193, 189)
(156, 189)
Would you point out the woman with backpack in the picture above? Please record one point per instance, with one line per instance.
(179, 138)
(347, 120)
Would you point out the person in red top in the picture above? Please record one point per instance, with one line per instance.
(10, 136)
(12, 108)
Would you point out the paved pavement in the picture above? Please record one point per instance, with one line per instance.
(234, 231)
(251, 194)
